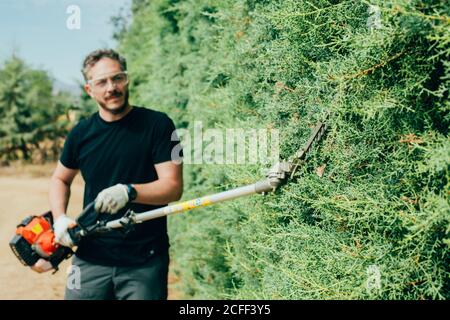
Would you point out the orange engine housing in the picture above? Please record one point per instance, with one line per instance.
(39, 234)
(34, 239)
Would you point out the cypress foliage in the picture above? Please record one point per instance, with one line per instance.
(380, 208)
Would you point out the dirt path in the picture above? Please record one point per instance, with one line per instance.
(24, 191)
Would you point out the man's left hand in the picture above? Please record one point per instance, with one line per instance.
(112, 199)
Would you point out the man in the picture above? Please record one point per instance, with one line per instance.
(124, 155)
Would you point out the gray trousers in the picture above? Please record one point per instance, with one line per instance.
(97, 282)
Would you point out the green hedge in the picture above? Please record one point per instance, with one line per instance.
(381, 205)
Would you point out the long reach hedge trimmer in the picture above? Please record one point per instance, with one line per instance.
(34, 237)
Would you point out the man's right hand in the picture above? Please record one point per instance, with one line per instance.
(41, 266)
(62, 236)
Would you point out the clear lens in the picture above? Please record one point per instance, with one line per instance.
(119, 80)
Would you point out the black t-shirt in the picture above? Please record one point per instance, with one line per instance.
(122, 151)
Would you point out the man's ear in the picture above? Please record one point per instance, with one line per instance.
(88, 90)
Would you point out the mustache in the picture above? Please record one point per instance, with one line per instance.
(115, 94)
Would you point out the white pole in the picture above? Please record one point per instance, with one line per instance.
(188, 205)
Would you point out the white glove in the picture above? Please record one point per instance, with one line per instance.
(42, 265)
(62, 236)
(112, 199)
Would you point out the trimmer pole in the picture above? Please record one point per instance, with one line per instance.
(276, 176)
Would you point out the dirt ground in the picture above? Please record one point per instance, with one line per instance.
(24, 191)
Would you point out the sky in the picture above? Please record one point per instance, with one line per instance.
(44, 32)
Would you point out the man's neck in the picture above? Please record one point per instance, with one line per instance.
(110, 117)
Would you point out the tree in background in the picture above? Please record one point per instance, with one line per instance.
(32, 118)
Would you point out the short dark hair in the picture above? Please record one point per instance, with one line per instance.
(93, 57)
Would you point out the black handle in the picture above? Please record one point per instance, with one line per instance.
(85, 211)
(76, 232)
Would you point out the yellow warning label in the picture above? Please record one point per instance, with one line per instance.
(188, 205)
(206, 202)
(37, 229)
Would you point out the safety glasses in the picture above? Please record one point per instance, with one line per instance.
(119, 79)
